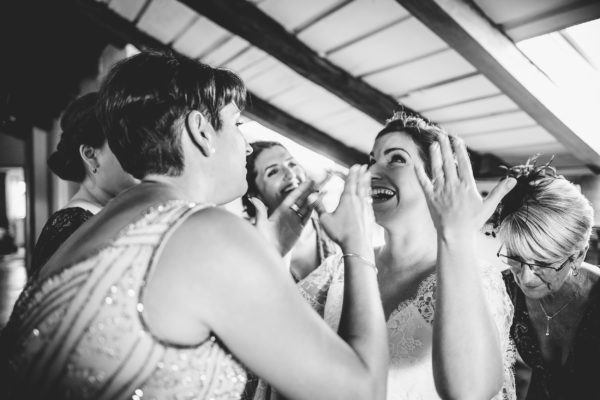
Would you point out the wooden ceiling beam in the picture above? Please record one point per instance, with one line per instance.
(244, 19)
(471, 34)
(123, 31)
(303, 133)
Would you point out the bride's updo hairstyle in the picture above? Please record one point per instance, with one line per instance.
(422, 132)
(79, 126)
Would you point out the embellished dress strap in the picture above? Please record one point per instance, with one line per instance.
(315, 286)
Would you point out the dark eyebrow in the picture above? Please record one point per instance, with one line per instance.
(276, 164)
(270, 166)
(391, 149)
(388, 151)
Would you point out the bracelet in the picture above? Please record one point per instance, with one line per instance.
(369, 263)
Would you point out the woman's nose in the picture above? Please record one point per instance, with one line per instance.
(527, 275)
(289, 173)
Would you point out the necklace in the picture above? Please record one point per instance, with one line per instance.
(549, 317)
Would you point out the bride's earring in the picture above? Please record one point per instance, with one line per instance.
(575, 270)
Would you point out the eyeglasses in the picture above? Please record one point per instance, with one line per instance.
(540, 268)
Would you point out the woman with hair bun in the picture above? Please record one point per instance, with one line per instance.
(81, 156)
(544, 226)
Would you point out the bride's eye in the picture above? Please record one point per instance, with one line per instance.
(397, 158)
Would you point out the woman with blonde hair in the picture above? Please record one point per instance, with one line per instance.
(544, 226)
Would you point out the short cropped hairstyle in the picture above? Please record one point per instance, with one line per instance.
(554, 222)
(145, 99)
(422, 132)
(80, 126)
(251, 174)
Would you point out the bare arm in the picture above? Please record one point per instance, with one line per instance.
(467, 356)
(245, 297)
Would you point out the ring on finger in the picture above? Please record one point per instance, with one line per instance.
(294, 207)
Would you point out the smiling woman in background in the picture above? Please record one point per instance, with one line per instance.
(273, 173)
(545, 225)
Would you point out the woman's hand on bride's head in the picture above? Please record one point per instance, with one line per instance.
(452, 196)
(350, 224)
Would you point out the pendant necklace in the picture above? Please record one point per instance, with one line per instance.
(549, 317)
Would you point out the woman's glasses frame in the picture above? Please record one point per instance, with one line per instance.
(532, 266)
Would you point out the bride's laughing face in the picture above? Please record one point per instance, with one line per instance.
(395, 189)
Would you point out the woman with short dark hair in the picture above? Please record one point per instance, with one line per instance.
(162, 294)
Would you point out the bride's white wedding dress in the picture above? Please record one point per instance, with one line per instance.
(410, 328)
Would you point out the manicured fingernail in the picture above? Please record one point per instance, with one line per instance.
(510, 183)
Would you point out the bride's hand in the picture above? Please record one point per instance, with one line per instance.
(452, 196)
(351, 223)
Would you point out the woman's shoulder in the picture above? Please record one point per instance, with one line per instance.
(68, 217)
(218, 232)
(59, 227)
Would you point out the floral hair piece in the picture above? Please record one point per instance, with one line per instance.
(526, 176)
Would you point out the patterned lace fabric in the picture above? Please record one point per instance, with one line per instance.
(80, 334)
(410, 332)
(59, 227)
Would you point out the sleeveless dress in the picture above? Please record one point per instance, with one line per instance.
(410, 333)
(81, 333)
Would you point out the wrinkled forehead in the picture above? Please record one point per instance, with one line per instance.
(396, 139)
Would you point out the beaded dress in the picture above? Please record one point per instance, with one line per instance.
(81, 333)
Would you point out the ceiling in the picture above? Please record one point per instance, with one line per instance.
(328, 73)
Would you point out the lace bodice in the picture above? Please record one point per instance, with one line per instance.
(410, 333)
(80, 334)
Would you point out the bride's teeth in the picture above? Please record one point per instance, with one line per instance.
(381, 191)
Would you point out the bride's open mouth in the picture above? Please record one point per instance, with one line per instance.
(381, 194)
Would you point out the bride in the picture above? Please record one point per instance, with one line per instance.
(448, 316)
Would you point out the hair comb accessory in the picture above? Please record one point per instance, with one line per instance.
(526, 176)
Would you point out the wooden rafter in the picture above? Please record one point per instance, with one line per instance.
(244, 19)
(472, 35)
(124, 31)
